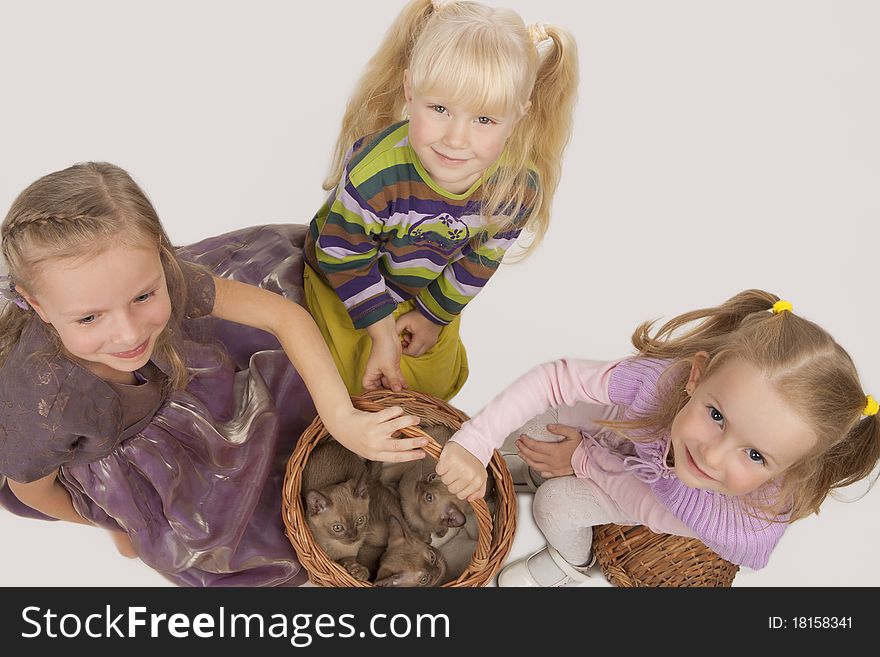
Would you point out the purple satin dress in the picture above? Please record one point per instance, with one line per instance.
(195, 478)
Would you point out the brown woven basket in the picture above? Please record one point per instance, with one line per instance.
(495, 533)
(634, 556)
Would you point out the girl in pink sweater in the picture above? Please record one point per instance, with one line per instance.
(727, 430)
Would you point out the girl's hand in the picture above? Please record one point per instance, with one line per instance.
(462, 472)
(550, 459)
(417, 333)
(123, 543)
(371, 435)
(383, 365)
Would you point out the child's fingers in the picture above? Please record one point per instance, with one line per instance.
(469, 491)
(394, 380)
(534, 462)
(396, 412)
(401, 457)
(388, 413)
(564, 430)
(477, 495)
(451, 479)
(372, 381)
(537, 466)
(404, 444)
(533, 449)
(459, 488)
(541, 446)
(398, 423)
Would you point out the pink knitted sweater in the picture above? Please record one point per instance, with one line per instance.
(723, 523)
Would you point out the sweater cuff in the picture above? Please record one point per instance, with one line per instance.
(474, 445)
(364, 317)
(431, 316)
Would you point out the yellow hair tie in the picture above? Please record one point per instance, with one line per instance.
(871, 406)
(780, 306)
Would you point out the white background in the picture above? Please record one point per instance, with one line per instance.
(718, 146)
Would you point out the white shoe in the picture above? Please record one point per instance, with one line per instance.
(524, 479)
(546, 567)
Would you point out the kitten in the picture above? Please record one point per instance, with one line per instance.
(457, 548)
(428, 507)
(407, 561)
(336, 500)
(384, 503)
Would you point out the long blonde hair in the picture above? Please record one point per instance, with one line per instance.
(76, 213)
(804, 364)
(486, 58)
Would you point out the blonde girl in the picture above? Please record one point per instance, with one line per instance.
(728, 425)
(451, 145)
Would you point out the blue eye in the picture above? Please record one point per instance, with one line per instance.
(755, 456)
(716, 415)
(87, 320)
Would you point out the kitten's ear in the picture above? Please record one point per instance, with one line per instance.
(452, 517)
(316, 503)
(391, 580)
(360, 486)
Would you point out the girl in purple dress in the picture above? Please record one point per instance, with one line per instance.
(158, 393)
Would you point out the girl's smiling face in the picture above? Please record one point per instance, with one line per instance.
(735, 433)
(108, 310)
(455, 144)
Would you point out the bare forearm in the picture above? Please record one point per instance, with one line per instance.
(305, 347)
(299, 337)
(49, 498)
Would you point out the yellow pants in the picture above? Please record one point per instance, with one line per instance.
(441, 371)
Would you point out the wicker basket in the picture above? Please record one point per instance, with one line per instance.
(495, 533)
(635, 556)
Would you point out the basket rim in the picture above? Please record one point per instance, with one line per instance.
(636, 556)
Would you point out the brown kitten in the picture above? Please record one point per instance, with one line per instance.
(407, 561)
(384, 503)
(428, 507)
(336, 500)
(457, 548)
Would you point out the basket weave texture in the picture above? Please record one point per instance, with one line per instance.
(634, 556)
(495, 532)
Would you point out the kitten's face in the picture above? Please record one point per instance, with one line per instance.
(410, 562)
(338, 513)
(436, 506)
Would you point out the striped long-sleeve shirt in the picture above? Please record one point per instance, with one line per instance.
(388, 233)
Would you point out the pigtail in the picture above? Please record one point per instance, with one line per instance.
(545, 130)
(849, 461)
(165, 347)
(378, 100)
(716, 323)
